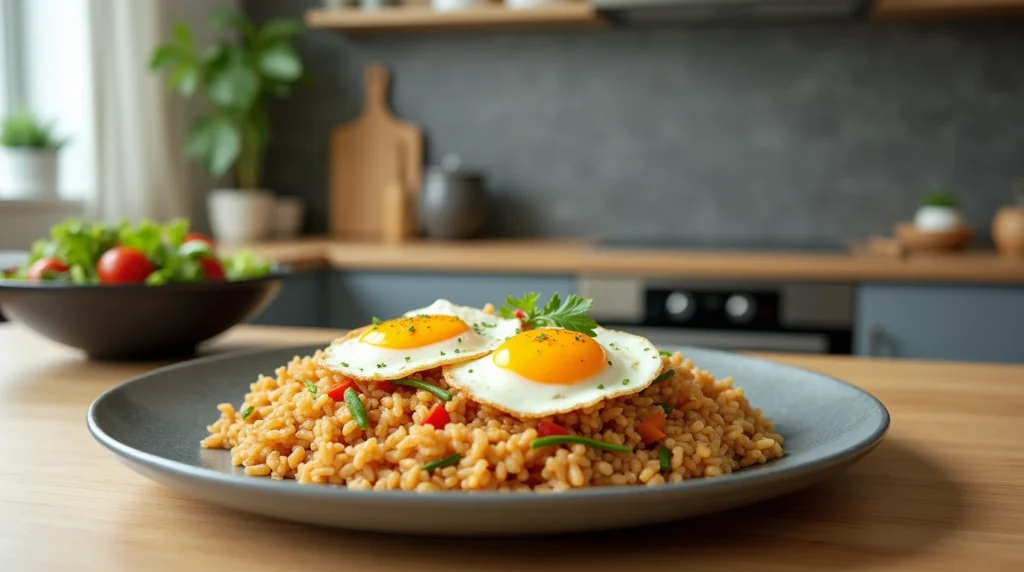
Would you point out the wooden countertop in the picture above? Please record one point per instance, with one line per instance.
(540, 256)
(943, 492)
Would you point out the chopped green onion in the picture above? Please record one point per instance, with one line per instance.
(440, 393)
(448, 461)
(664, 407)
(407, 358)
(355, 407)
(665, 459)
(311, 387)
(570, 439)
(248, 411)
(665, 353)
(459, 340)
(667, 374)
(647, 349)
(381, 365)
(442, 352)
(344, 364)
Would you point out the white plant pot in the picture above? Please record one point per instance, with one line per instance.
(288, 215)
(937, 219)
(28, 173)
(455, 5)
(240, 215)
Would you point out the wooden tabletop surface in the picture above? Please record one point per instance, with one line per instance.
(555, 256)
(943, 492)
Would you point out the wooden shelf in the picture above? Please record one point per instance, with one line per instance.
(945, 9)
(425, 19)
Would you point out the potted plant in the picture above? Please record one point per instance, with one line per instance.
(29, 157)
(939, 212)
(237, 77)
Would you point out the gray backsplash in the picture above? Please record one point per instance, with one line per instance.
(783, 133)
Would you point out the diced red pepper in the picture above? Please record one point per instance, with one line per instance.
(547, 429)
(337, 391)
(385, 386)
(438, 417)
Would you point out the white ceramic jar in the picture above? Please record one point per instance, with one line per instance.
(240, 215)
(937, 219)
(455, 5)
(28, 173)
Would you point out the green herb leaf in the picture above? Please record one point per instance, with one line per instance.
(248, 411)
(570, 314)
(311, 387)
(449, 461)
(600, 386)
(625, 381)
(665, 353)
(664, 376)
(344, 364)
(407, 358)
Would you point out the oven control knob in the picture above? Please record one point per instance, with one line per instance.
(680, 306)
(740, 308)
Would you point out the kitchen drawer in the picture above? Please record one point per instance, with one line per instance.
(356, 297)
(962, 323)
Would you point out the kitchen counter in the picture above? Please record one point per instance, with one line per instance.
(943, 492)
(539, 256)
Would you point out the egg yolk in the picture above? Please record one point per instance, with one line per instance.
(549, 355)
(413, 331)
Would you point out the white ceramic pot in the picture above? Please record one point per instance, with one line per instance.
(937, 219)
(454, 5)
(28, 173)
(288, 216)
(240, 215)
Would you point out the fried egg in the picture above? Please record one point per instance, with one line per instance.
(546, 371)
(442, 333)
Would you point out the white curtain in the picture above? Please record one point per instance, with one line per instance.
(140, 171)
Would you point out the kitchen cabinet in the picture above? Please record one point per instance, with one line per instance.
(930, 9)
(302, 302)
(354, 298)
(963, 323)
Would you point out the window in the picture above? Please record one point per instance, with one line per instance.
(45, 66)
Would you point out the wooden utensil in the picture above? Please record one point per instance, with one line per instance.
(367, 154)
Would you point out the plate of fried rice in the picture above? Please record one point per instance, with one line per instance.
(551, 426)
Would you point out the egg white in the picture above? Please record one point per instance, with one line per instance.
(353, 358)
(631, 357)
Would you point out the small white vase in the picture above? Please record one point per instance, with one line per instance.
(937, 219)
(288, 216)
(28, 173)
(240, 215)
(454, 5)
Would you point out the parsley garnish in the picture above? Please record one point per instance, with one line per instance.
(407, 358)
(542, 337)
(647, 349)
(248, 411)
(457, 350)
(459, 340)
(625, 381)
(376, 322)
(601, 386)
(665, 353)
(344, 364)
(442, 353)
(609, 362)
(570, 314)
(412, 329)
(310, 386)
(470, 371)
(381, 365)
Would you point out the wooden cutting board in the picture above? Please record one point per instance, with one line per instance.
(374, 150)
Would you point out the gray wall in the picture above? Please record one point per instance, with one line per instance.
(787, 133)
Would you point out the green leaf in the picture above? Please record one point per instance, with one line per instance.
(234, 86)
(571, 315)
(216, 142)
(552, 304)
(184, 36)
(279, 61)
(185, 79)
(166, 55)
(278, 29)
(195, 249)
(210, 54)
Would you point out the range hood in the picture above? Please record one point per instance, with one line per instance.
(668, 11)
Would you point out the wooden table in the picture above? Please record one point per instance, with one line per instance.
(944, 491)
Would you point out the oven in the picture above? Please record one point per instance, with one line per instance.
(731, 315)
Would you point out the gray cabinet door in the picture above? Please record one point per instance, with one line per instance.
(965, 323)
(356, 297)
(302, 302)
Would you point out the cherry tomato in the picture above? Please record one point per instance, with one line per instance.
(200, 237)
(547, 429)
(46, 265)
(437, 418)
(123, 265)
(212, 268)
(337, 391)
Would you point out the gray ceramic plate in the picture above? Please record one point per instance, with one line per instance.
(154, 424)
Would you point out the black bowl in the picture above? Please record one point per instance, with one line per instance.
(136, 321)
